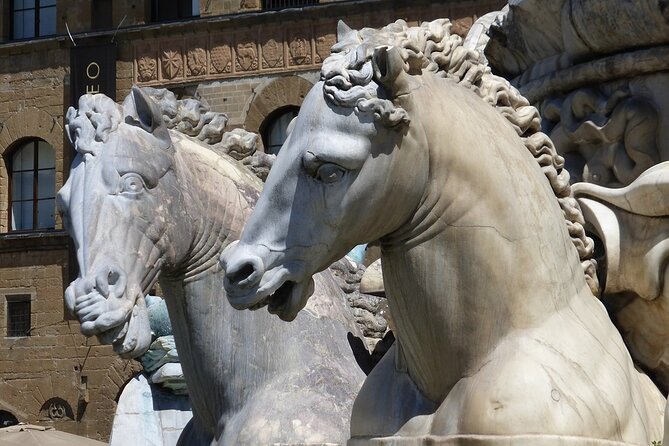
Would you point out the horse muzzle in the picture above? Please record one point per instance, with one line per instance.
(249, 285)
(107, 307)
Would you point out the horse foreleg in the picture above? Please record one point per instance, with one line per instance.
(193, 435)
(386, 401)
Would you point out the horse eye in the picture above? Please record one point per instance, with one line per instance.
(132, 183)
(329, 173)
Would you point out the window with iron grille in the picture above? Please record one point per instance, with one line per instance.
(32, 18)
(166, 10)
(7, 419)
(281, 4)
(18, 315)
(32, 183)
(102, 13)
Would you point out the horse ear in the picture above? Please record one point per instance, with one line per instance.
(343, 30)
(389, 71)
(147, 114)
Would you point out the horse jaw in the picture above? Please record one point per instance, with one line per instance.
(284, 289)
(135, 336)
(127, 330)
(284, 298)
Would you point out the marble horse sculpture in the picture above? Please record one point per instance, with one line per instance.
(632, 224)
(144, 201)
(409, 139)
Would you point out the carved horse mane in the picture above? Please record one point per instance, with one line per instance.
(190, 117)
(348, 81)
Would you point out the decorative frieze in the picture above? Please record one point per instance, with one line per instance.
(146, 65)
(219, 54)
(272, 47)
(324, 37)
(171, 63)
(299, 47)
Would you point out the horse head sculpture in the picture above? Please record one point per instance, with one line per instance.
(409, 139)
(149, 195)
(121, 184)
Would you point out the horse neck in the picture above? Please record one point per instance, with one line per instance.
(487, 243)
(228, 356)
(218, 347)
(213, 203)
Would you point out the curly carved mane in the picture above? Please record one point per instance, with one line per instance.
(431, 48)
(98, 115)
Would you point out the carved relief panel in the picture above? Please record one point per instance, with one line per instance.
(246, 51)
(272, 49)
(324, 38)
(225, 53)
(196, 58)
(220, 55)
(146, 65)
(299, 46)
(171, 60)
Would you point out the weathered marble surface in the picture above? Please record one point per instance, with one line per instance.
(599, 72)
(409, 139)
(633, 225)
(558, 46)
(147, 412)
(144, 201)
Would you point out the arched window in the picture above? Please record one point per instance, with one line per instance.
(32, 186)
(274, 128)
(7, 419)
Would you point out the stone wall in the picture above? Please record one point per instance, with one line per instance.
(249, 45)
(248, 101)
(250, 66)
(32, 94)
(55, 376)
(219, 7)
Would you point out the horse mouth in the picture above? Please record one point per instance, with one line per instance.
(117, 338)
(132, 337)
(117, 320)
(286, 301)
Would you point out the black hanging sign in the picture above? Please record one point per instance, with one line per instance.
(92, 70)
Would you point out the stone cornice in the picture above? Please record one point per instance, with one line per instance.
(334, 9)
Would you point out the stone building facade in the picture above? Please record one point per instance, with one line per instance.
(253, 60)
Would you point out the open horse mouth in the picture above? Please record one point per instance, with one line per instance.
(284, 288)
(287, 300)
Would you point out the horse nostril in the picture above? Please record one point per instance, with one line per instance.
(245, 274)
(110, 279)
(242, 274)
(113, 277)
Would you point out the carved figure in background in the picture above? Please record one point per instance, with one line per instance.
(633, 225)
(144, 201)
(605, 140)
(499, 337)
